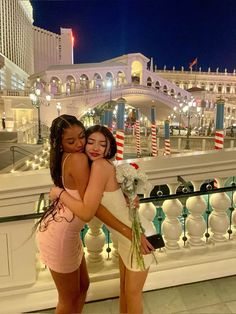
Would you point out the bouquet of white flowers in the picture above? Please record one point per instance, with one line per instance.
(131, 178)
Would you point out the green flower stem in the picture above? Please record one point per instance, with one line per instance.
(136, 235)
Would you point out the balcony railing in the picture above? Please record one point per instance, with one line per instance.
(198, 228)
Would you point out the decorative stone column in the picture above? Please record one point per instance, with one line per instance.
(195, 223)
(171, 226)
(219, 221)
(95, 241)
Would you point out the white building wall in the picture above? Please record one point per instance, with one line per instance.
(67, 56)
(16, 35)
(46, 48)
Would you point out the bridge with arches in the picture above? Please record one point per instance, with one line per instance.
(80, 88)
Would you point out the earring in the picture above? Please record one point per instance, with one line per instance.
(61, 149)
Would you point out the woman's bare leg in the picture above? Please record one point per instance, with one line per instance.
(134, 282)
(84, 284)
(123, 305)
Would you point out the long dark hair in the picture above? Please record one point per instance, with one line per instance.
(108, 136)
(58, 126)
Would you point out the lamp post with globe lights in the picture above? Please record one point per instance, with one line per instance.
(58, 109)
(178, 109)
(189, 110)
(37, 100)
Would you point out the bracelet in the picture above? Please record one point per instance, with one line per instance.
(61, 193)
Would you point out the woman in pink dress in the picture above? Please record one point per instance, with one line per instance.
(58, 232)
(103, 188)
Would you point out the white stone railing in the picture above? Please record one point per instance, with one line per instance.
(179, 262)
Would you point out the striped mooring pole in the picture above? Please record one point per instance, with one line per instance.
(219, 134)
(154, 132)
(137, 132)
(167, 137)
(108, 119)
(120, 134)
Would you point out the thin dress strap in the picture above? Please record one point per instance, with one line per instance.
(63, 166)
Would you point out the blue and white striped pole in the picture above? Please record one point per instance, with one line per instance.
(167, 137)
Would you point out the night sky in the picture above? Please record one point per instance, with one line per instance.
(173, 32)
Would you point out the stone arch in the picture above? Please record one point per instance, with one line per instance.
(165, 90)
(172, 92)
(136, 72)
(121, 78)
(84, 81)
(39, 84)
(109, 79)
(157, 85)
(70, 84)
(97, 79)
(55, 85)
(149, 81)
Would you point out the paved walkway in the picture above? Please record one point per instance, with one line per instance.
(213, 296)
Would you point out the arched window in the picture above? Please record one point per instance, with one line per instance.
(157, 85)
(84, 81)
(149, 82)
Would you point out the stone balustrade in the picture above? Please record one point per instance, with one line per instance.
(197, 247)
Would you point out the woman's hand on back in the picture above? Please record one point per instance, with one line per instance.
(54, 193)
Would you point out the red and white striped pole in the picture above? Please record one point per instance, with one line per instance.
(137, 132)
(167, 138)
(120, 134)
(219, 134)
(154, 132)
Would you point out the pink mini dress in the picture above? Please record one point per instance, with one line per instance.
(58, 239)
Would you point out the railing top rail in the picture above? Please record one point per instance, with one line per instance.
(20, 150)
(142, 200)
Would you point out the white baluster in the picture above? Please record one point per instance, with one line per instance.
(234, 212)
(95, 241)
(218, 220)
(114, 251)
(171, 226)
(148, 211)
(195, 223)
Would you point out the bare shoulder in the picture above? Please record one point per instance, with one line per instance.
(78, 157)
(101, 164)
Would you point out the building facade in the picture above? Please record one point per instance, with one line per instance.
(16, 33)
(51, 48)
(207, 87)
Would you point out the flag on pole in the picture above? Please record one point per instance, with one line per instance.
(191, 64)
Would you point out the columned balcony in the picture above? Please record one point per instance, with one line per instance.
(199, 230)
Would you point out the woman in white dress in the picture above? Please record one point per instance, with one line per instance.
(103, 188)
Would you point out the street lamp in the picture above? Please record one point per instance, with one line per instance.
(180, 111)
(37, 100)
(109, 85)
(188, 110)
(58, 109)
